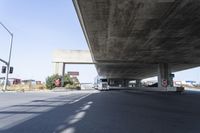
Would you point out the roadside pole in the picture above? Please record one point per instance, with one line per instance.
(9, 58)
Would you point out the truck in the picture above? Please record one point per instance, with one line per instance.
(101, 83)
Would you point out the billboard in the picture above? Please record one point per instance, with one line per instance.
(73, 73)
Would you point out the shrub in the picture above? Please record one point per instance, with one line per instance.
(50, 80)
(73, 86)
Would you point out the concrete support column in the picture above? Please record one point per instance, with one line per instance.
(127, 83)
(138, 83)
(59, 68)
(109, 82)
(63, 74)
(164, 73)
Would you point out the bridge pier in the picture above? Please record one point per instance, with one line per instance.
(118, 82)
(59, 68)
(164, 75)
(63, 57)
(138, 83)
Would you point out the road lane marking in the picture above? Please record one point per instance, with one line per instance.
(77, 100)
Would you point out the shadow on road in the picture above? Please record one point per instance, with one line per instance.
(114, 112)
(60, 118)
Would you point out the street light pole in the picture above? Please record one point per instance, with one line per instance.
(9, 58)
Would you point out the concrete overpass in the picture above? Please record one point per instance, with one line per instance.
(136, 39)
(62, 57)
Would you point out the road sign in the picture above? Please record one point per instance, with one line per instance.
(164, 83)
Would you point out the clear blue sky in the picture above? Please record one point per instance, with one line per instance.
(40, 27)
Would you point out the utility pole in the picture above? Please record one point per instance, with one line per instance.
(9, 58)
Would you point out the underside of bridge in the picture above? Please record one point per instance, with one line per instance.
(130, 39)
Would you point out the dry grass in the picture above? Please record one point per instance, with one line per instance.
(30, 87)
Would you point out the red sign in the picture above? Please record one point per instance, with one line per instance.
(57, 82)
(164, 83)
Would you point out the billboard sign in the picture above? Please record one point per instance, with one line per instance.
(73, 73)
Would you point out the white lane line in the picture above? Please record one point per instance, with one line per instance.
(79, 99)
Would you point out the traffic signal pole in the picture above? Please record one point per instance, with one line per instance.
(8, 65)
(9, 58)
(4, 61)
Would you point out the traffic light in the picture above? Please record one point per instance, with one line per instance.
(11, 70)
(3, 70)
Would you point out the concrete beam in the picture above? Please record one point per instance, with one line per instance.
(72, 57)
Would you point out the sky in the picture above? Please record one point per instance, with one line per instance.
(39, 28)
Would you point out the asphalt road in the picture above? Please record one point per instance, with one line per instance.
(100, 112)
